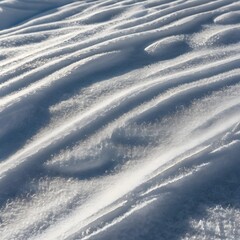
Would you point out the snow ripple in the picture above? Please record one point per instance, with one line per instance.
(116, 116)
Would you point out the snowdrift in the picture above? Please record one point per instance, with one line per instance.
(119, 119)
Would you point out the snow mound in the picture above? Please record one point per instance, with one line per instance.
(228, 18)
(167, 48)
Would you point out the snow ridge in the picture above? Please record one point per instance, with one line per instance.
(119, 119)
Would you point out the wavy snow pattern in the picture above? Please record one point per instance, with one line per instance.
(119, 119)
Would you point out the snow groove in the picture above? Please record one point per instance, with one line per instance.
(114, 110)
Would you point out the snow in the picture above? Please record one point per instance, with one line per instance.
(119, 119)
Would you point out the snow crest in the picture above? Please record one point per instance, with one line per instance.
(119, 119)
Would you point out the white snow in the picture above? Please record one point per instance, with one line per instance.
(119, 119)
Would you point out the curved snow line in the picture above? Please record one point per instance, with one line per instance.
(109, 106)
(72, 127)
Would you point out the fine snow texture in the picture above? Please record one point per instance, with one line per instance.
(119, 119)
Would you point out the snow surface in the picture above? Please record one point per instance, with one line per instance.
(119, 119)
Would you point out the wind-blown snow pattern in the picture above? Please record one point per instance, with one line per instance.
(119, 119)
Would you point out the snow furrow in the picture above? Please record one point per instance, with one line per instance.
(119, 119)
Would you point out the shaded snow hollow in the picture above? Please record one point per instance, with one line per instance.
(119, 119)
